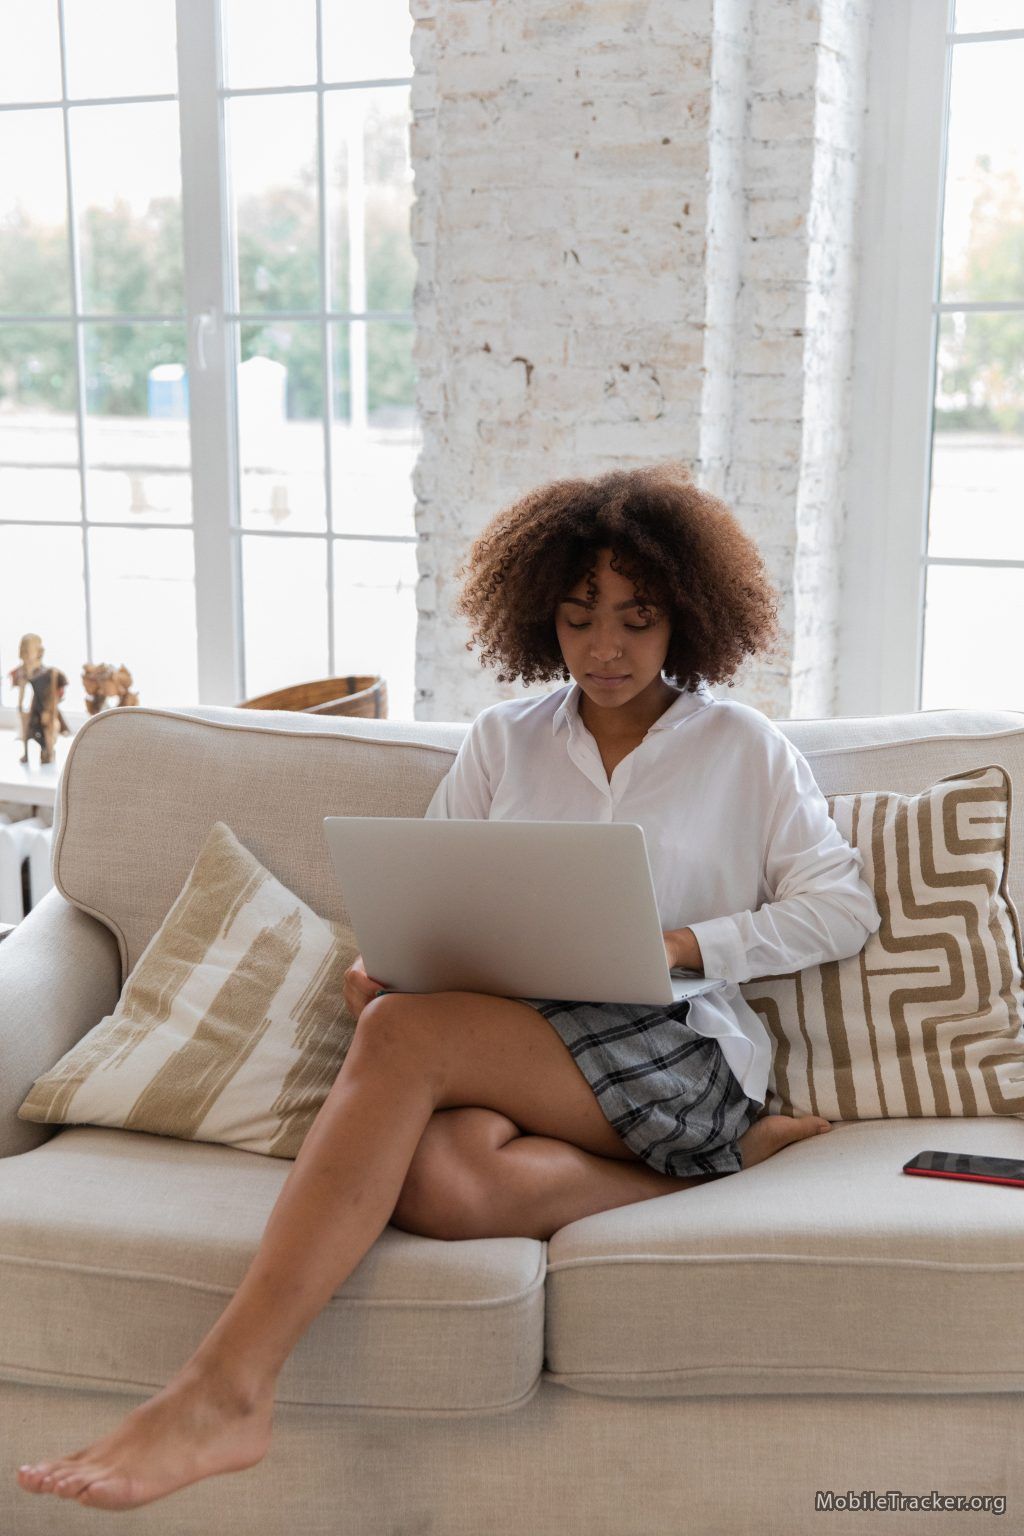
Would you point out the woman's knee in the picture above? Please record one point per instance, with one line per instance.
(388, 1029)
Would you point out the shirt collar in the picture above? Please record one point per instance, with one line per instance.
(679, 710)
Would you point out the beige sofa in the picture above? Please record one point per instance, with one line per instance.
(705, 1362)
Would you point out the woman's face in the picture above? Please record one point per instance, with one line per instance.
(613, 639)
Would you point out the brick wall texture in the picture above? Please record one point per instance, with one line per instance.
(635, 224)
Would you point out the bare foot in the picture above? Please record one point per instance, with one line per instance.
(772, 1132)
(195, 1427)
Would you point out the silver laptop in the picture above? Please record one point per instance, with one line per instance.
(539, 909)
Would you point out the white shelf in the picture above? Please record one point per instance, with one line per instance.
(34, 783)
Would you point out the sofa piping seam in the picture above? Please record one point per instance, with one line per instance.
(41, 1376)
(209, 1288)
(616, 1260)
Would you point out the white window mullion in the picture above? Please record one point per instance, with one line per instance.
(357, 338)
(893, 395)
(76, 717)
(211, 369)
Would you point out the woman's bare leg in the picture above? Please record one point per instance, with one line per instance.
(547, 1183)
(215, 1415)
(532, 1186)
(541, 1183)
(411, 1055)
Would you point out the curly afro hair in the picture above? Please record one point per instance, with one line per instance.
(682, 548)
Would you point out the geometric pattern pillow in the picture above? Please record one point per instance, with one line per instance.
(231, 1027)
(927, 1018)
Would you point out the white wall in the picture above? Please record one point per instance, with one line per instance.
(636, 229)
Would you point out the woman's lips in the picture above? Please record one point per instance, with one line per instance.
(597, 678)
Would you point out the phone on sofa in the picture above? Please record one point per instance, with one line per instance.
(968, 1165)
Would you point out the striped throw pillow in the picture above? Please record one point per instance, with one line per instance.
(230, 1028)
(926, 1019)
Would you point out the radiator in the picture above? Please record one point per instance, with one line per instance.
(24, 865)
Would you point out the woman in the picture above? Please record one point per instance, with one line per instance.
(516, 1116)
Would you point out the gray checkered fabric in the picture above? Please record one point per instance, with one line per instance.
(665, 1089)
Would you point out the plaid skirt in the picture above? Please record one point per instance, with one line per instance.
(666, 1090)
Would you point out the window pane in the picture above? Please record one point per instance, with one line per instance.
(144, 609)
(126, 170)
(285, 604)
(373, 378)
(37, 395)
(390, 267)
(136, 436)
(370, 190)
(983, 220)
(971, 638)
(375, 616)
(978, 452)
(34, 266)
(367, 42)
(976, 500)
(45, 495)
(120, 47)
(267, 43)
(273, 174)
(373, 452)
(371, 475)
(38, 434)
(988, 15)
(29, 51)
(53, 609)
(280, 427)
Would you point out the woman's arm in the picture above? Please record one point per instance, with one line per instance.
(464, 794)
(821, 907)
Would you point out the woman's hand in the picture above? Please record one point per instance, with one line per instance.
(358, 988)
(682, 950)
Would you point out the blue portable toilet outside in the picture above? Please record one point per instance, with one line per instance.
(167, 391)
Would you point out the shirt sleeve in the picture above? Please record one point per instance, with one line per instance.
(821, 907)
(464, 794)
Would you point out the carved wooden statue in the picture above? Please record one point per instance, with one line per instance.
(102, 681)
(43, 721)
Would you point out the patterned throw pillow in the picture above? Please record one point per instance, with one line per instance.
(231, 1027)
(926, 1019)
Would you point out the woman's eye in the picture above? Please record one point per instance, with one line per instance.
(628, 626)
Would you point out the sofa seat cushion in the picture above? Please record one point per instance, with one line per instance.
(119, 1250)
(823, 1269)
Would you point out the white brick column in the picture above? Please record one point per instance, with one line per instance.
(620, 216)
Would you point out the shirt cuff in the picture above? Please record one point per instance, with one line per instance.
(722, 953)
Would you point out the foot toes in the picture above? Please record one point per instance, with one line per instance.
(71, 1485)
(37, 1470)
(104, 1493)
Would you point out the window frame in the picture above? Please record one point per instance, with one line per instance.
(895, 355)
(882, 606)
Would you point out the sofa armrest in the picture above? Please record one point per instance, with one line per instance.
(60, 973)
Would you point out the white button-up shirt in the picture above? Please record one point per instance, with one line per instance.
(741, 845)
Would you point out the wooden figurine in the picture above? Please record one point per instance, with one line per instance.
(101, 681)
(43, 721)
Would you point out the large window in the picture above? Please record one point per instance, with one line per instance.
(974, 591)
(936, 534)
(207, 419)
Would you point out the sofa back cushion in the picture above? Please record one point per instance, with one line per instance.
(141, 788)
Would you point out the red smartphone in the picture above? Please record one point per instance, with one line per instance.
(967, 1165)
